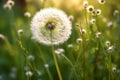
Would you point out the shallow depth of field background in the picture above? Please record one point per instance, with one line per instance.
(14, 62)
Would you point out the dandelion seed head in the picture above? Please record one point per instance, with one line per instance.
(20, 32)
(101, 1)
(90, 8)
(92, 21)
(83, 31)
(46, 65)
(107, 43)
(51, 27)
(114, 69)
(116, 13)
(98, 34)
(2, 37)
(79, 40)
(85, 4)
(110, 24)
(71, 18)
(111, 48)
(98, 11)
(10, 2)
(29, 73)
(27, 14)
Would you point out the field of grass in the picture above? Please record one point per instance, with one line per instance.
(92, 51)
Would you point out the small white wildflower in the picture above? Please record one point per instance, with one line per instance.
(85, 4)
(51, 27)
(59, 51)
(71, 18)
(83, 31)
(20, 31)
(27, 14)
(29, 73)
(101, 1)
(110, 48)
(90, 8)
(98, 34)
(114, 69)
(107, 43)
(79, 40)
(110, 24)
(46, 65)
(70, 45)
(2, 37)
(116, 13)
(92, 21)
(31, 58)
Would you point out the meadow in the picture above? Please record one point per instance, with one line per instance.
(72, 40)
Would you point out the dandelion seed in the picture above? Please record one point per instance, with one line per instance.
(31, 58)
(101, 1)
(85, 4)
(110, 24)
(70, 45)
(114, 69)
(59, 51)
(92, 21)
(79, 40)
(116, 13)
(83, 31)
(27, 14)
(98, 34)
(46, 65)
(51, 27)
(90, 8)
(29, 73)
(71, 18)
(107, 43)
(20, 32)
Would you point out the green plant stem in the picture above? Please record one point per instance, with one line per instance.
(56, 64)
(110, 66)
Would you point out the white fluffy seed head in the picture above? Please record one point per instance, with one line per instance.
(85, 4)
(90, 8)
(27, 14)
(79, 40)
(98, 34)
(101, 1)
(92, 21)
(29, 73)
(51, 27)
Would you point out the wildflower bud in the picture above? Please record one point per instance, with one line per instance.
(107, 43)
(101, 1)
(70, 46)
(116, 13)
(83, 31)
(98, 34)
(29, 73)
(31, 58)
(20, 32)
(71, 18)
(110, 24)
(92, 21)
(27, 14)
(79, 40)
(90, 8)
(46, 65)
(114, 69)
(85, 4)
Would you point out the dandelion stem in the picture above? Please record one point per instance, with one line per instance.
(56, 64)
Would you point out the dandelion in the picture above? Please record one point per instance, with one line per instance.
(79, 40)
(92, 21)
(114, 69)
(98, 34)
(27, 14)
(110, 24)
(101, 1)
(90, 8)
(85, 4)
(59, 51)
(29, 73)
(107, 43)
(96, 12)
(9, 4)
(116, 13)
(51, 27)
(20, 32)
(31, 58)
(83, 31)
(71, 18)
(110, 48)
